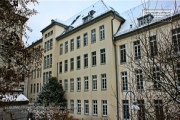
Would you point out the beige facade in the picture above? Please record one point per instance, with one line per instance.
(33, 83)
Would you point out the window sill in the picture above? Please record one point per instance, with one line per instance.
(94, 90)
(86, 90)
(103, 63)
(93, 42)
(103, 89)
(93, 65)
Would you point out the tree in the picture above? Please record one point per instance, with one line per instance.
(52, 93)
(15, 59)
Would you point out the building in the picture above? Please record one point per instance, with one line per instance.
(87, 54)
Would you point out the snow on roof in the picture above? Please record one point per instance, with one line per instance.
(21, 97)
(133, 14)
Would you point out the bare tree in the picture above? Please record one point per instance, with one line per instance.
(154, 67)
(15, 59)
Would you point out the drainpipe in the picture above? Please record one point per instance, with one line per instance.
(116, 66)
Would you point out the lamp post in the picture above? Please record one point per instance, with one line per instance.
(134, 105)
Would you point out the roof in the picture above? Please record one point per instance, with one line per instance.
(100, 9)
(35, 43)
(54, 22)
(133, 15)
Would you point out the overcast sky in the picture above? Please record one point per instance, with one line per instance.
(65, 9)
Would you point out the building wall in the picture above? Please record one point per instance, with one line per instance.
(128, 41)
(34, 79)
(108, 68)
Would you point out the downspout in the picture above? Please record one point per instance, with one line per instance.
(116, 66)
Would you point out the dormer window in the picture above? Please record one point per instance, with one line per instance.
(69, 28)
(145, 19)
(89, 16)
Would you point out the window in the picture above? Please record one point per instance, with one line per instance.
(37, 87)
(85, 60)
(71, 85)
(102, 33)
(44, 78)
(48, 45)
(124, 81)
(78, 106)
(176, 40)
(178, 75)
(93, 36)
(51, 43)
(61, 49)
(141, 112)
(86, 107)
(78, 84)
(60, 82)
(31, 88)
(126, 109)
(123, 53)
(47, 61)
(47, 77)
(51, 32)
(60, 67)
(137, 52)
(66, 47)
(104, 107)
(94, 58)
(95, 107)
(45, 35)
(139, 79)
(72, 44)
(78, 42)
(159, 109)
(45, 47)
(94, 82)
(156, 77)
(153, 46)
(85, 39)
(72, 106)
(86, 84)
(66, 85)
(72, 64)
(34, 88)
(50, 61)
(103, 56)
(104, 82)
(78, 62)
(65, 65)
(44, 62)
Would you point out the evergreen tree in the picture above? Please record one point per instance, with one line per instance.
(52, 93)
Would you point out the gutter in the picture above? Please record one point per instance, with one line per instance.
(115, 52)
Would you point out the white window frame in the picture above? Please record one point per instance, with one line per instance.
(85, 60)
(102, 32)
(94, 82)
(85, 39)
(123, 53)
(86, 107)
(103, 82)
(78, 106)
(72, 85)
(94, 58)
(78, 84)
(93, 36)
(124, 78)
(104, 108)
(86, 83)
(95, 107)
(103, 56)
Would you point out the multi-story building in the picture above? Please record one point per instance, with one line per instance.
(88, 54)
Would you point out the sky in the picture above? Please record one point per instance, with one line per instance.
(65, 9)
